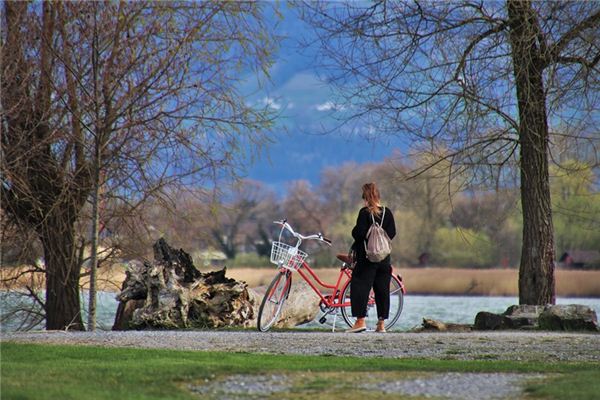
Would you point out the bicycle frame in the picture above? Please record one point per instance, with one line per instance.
(337, 289)
(336, 294)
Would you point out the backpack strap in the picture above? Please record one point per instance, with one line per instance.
(382, 216)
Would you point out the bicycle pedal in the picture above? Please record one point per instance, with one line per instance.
(322, 320)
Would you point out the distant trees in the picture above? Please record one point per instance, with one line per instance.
(469, 228)
(129, 97)
(576, 206)
(479, 83)
(241, 218)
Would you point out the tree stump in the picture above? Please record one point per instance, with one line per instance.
(171, 293)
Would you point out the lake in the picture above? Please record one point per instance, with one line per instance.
(454, 309)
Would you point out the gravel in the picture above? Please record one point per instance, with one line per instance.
(239, 386)
(459, 386)
(520, 346)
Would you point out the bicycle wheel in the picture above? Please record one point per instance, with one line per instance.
(396, 303)
(272, 302)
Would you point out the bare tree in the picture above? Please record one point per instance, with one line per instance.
(482, 80)
(131, 97)
(305, 209)
(240, 217)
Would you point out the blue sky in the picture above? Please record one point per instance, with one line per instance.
(300, 150)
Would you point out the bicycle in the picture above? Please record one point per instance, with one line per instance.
(289, 259)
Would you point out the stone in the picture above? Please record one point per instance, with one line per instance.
(550, 317)
(571, 317)
(302, 306)
(522, 316)
(487, 321)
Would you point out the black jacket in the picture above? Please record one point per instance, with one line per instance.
(363, 223)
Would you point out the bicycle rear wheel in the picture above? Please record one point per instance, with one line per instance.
(396, 303)
(272, 302)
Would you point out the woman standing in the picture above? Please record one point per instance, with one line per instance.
(367, 274)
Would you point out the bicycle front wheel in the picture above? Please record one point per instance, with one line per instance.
(396, 303)
(272, 302)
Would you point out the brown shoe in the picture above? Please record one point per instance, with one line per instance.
(380, 327)
(359, 326)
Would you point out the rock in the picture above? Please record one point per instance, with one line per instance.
(302, 306)
(550, 317)
(522, 316)
(572, 317)
(487, 321)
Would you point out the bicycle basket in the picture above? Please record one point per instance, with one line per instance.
(287, 256)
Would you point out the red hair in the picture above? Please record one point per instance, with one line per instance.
(371, 195)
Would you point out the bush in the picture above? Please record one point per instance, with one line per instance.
(462, 248)
(251, 260)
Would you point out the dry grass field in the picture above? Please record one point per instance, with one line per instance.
(451, 281)
(444, 281)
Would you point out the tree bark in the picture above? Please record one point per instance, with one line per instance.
(63, 309)
(536, 273)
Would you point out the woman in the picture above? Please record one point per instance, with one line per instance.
(367, 274)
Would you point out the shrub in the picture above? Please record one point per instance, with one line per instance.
(462, 248)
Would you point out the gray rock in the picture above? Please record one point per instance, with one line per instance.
(487, 321)
(572, 317)
(522, 316)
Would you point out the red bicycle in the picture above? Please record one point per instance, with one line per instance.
(289, 259)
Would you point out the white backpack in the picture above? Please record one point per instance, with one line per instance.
(378, 244)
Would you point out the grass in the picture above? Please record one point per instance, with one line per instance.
(33, 371)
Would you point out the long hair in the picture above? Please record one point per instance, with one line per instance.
(371, 195)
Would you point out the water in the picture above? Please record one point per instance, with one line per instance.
(453, 309)
(106, 308)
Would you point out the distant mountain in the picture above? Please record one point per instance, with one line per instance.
(305, 104)
(303, 156)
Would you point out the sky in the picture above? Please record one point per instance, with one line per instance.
(300, 150)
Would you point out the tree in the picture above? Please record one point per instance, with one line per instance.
(239, 220)
(576, 207)
(132, 97)
(481, 80)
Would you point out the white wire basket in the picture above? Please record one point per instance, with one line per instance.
(287, 256)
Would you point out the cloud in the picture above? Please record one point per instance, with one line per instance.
(270, 102)
(329, 106)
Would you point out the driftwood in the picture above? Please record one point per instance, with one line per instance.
(171, 293)
(439, 326)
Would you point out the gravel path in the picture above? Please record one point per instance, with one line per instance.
(533, 346)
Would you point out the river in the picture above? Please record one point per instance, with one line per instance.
(454, 309)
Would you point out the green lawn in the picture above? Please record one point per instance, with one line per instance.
(31, 371)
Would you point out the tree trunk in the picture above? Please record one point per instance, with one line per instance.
(536, 273)
(63, 309)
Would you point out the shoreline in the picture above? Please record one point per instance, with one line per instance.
(431, 281)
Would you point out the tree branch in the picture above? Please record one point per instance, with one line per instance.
(555, 50)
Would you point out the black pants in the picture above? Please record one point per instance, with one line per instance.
(367, 275)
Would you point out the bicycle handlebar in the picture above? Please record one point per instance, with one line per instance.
(316, 236)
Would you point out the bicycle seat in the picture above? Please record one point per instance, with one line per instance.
(344, 258)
